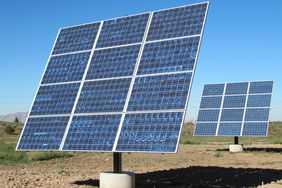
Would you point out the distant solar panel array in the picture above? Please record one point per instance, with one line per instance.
(119, 85)
(235, 109)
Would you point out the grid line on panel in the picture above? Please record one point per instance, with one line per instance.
(38, 88)
(220, 110)
(70, 53)
(133, 80)
(81, 86)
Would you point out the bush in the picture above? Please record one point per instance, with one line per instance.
(10, 130)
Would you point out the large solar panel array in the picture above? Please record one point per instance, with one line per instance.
(119, 85)
(235, 109)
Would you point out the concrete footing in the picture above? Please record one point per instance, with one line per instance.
(117, 180)
(235, 148)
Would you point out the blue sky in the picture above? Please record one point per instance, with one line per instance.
(242, 42)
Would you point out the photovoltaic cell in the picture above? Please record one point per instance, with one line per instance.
(257, 114)
(214, 89)
(155, 132)
(55, 99)
(229, 129)
(255, 129)
(205, 129)
(113, 62)
(236, 88)
(259, 100)
(119, 85)
(244, 112)
(76, 38)
(66, 68)
(234, 101)
(208, 115)
(169, 56)
(160, 92)
(95, 133)
(103, 96)
(261, 87)
(44, 133)
(121, 31)
(179, 22)
(211, 102)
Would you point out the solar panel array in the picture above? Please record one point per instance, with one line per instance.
(235, 109)
(119, 85)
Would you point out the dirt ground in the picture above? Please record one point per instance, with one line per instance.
(192, 166)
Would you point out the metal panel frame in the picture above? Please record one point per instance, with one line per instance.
(124, 112)
(245, 109)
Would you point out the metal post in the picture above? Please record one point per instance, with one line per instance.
(236, 140)
(117, 163)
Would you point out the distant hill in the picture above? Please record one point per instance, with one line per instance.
(11, 117)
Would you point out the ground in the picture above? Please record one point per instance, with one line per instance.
(193, 166)
(198, 163)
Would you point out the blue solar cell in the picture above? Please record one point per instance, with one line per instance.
(113, 62)
(255, 129)
(232, 115)
(160, 92)
(124, 30)
(211, 102)
(44, 133)
(229, 129)
(55, 99)
(208, 115)
(234, 101)
(169, 56)
(150, 132)
(236, 88)
(66, 68)
(213, 89)
(261, 87)
(178, 22)
(257, 114)
(259, 100)
(96, 133)
(103, 96)
(76, 38)
(205, 129)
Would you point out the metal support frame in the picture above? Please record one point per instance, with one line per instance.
(236, 140)
(117, 162)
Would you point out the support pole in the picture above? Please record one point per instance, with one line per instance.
(236, 140)
(117, 163)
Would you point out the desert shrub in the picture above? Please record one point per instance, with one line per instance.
(9, 129)
(218, 154)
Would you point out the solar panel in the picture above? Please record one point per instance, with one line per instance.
(119, 85)
(235, 109)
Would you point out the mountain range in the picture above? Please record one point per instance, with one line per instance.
(11, 116)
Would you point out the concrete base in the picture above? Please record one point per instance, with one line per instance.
(114, 180)
(235, 148)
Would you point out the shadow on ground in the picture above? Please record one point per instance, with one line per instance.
(202, 177)
(268, 150)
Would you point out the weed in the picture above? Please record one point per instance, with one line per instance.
(218, 154)
(64, 173)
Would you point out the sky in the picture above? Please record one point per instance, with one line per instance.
(242, 42)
